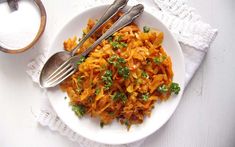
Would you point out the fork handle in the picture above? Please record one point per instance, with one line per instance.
(123, 21)
(109, 13)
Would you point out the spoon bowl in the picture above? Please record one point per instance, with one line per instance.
(59, 58)
(53, 63)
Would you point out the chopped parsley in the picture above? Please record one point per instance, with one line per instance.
(79, 79)
(107, 79)
(123, 44)
(175, 88)
(81, 60)
(119, 62)
(146, 29)
(101, 124)
(162, 89)
(127, 123)
(112, 59)
(117, 42)
(119, 96)
(116, 61)
(97, 91)
(110, 39)
(145, 75)
(79, 110)
(111, 113)
(119, 38)
(145, 96)
(159, 60)
(124, 72)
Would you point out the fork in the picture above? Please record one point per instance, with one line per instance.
(70, 66)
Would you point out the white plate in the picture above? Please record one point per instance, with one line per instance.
(116, 133)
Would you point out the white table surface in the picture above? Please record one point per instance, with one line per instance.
(204, 118)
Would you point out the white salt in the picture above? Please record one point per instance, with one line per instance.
(18, 28)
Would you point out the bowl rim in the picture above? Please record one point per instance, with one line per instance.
(41, 29)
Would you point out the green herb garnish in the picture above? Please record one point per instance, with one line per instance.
(115, 44)
(123, 44)
(118, 63)
(163, 88)
(79, 110)
(81, 60)
(107, 79)
(121, 60)
(119, 38)
(110, 39)
(145, 96)
(145, 75)
(127, 123)
(146, 29)
(79, 79)
(175, 88)
(159, 60)
(97, 91)
(111, 113)
(112, 59)
(119, 96)
(101, 124)
(124, 72)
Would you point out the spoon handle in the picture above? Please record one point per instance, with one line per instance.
(126, 19)
(109, 13)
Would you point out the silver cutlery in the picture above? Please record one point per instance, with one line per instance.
(70, 66)
(60, 57)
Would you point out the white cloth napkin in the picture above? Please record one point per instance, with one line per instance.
(194, 35)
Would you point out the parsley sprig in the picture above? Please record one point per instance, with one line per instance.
(173, 88)
(119, 63)
(79, 110)
(159, 60)
(163, 88)
(117, 43)
(146, 29)
(145, 75)
(124, 72)
(119, 96)
(81, 60)
(145, 96)
(107, 79)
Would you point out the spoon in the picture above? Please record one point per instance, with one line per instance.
(60, 57)
(70, 66)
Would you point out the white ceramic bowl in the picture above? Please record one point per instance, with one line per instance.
(116, 133)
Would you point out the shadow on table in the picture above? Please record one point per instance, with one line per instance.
(14, 65)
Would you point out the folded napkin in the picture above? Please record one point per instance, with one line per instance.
(194, 36)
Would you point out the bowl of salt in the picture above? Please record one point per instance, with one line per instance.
(22, 23)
